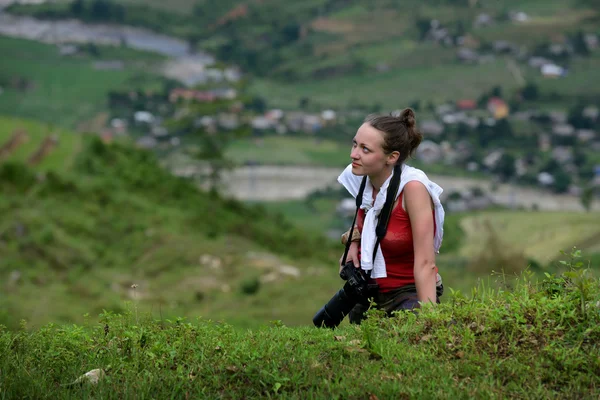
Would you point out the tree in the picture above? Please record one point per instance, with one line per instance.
(258, 104)
(562, 181)
(503, 130)
(415, 105)
(580, 45)
(587, 195)
(496, 91)
(590, 3)
(93, 49)
(100, 10)
(303, 103)
(291, 32)
(577, 119)
(212, 152)
(423, 26)
(530, 92)
(77, 8)
(505, 167)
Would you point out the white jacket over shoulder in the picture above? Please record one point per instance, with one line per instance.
(372, 209)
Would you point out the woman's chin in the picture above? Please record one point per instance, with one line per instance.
(357, 171)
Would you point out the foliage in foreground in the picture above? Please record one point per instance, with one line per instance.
(537, 341)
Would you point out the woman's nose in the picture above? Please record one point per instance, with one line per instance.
(354, 154)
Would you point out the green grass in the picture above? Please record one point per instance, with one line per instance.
(394, 89)
(538, 235)
(288, 150)
(316, 216)
(67, 90)
(61, 157)
(487, 346)
(109, 217)
(581, 72)
(178, 6)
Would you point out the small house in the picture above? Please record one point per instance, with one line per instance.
(498, 107)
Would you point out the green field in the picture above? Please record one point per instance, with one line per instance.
(60, 159)
(394, 89)
(538, 236)
(67, 90)
(437, 83)
(287, 150)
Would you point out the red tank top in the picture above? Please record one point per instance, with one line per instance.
(397, 248)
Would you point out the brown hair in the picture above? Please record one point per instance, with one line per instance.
(399, 132)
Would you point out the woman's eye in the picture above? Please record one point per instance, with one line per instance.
(365, 150)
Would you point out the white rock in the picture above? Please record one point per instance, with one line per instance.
(289, 270)
(91, 377)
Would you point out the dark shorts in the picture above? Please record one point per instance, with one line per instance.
(401, 299)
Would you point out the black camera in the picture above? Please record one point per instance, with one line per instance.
(355, 290)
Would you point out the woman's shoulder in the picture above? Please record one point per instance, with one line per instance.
(415, 186)
(416, 195)
(411, 174)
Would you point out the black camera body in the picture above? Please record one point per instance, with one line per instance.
(356, 279)
(356, 290)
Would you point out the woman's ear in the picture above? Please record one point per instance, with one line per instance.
(393, 158)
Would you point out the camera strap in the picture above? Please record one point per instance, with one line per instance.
(386, 211)
(384, 215)
(359, 197)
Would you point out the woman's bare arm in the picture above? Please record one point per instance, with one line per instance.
(420, 211)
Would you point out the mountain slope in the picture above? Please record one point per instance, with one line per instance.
(75, 241)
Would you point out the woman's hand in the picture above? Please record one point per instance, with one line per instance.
(352, 256)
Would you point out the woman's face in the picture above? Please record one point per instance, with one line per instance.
(368, 157)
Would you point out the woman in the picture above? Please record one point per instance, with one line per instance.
(404, 264)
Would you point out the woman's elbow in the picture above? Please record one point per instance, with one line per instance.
(425, 265)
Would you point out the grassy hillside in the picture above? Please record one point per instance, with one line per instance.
(537, 341)
(66, 90)
(74, 241)
(61, 158)
(539, 237)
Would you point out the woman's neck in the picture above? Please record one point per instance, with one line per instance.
(378, 180)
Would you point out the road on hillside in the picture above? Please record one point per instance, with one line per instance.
(275, 183)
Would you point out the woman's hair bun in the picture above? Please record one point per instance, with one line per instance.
(407, 116)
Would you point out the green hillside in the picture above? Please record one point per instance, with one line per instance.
(537, 237)
(61, 157)
(535, 341)
(40, 83)
(74, 240)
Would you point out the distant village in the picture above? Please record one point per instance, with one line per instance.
(543, 58)
(448, 128)
(435, 149)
